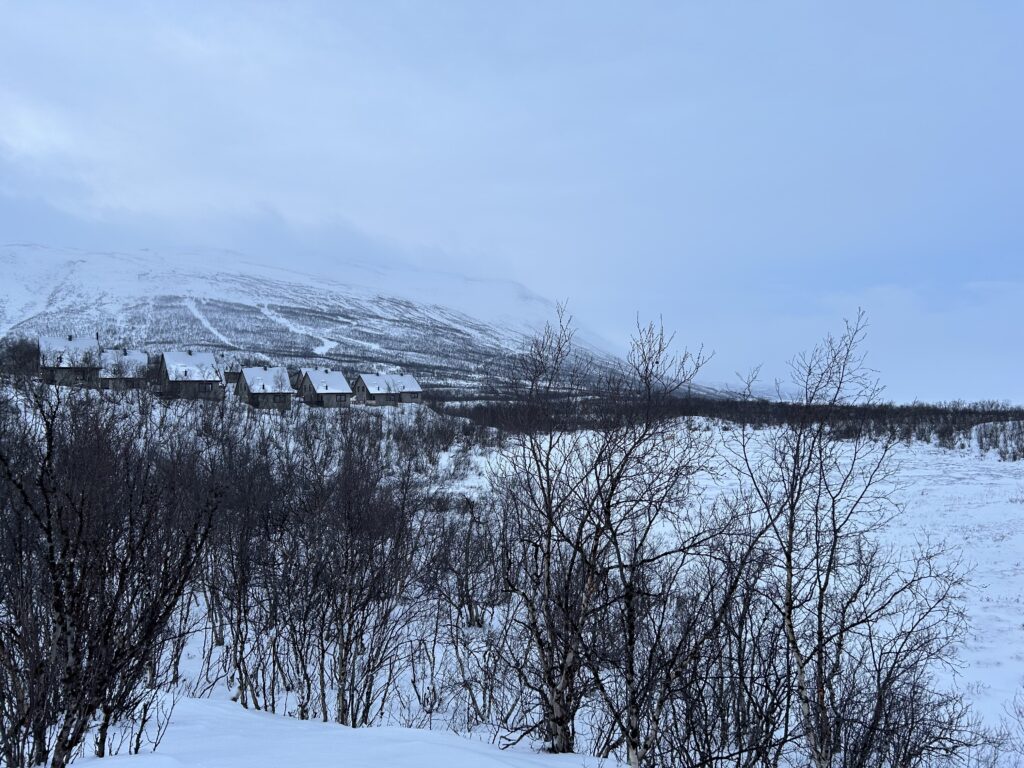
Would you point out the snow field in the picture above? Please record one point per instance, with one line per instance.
(220, 734)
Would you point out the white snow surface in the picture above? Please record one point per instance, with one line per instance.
(208, 734)
(975, 504)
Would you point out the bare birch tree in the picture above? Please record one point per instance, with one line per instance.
(549, 561)
(867, 626)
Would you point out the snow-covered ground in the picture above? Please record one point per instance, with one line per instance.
(220, 734)
(976, 504)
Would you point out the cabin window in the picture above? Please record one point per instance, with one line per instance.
(278, 398)
(206, 387)
(371, 397)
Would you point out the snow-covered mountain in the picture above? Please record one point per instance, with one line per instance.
(444, 328)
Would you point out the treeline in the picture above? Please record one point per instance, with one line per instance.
(950, 425)
(599, 592)
(991, 425)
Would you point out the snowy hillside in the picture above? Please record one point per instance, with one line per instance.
(446, 329)
(356, 316)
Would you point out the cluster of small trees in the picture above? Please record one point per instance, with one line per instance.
(104, 514)
(311, 577)
(612, 580)
(152, 549)
(1006, 438)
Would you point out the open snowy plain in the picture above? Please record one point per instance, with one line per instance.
(976, 504)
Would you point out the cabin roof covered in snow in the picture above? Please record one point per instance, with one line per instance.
(64, 352)
(266, 379)
(325, 381)
(389, 383)
(123, 363)
(228, 361)
(191, 366)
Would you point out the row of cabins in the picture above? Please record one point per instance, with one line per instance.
(198, 376)
(71, 361)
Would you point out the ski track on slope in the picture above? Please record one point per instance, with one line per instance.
(326, 344)
(321, 349)
(190, 302)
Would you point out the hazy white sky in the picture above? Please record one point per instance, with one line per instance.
(753, 172)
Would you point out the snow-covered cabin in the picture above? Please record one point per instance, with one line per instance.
(386, 389)
(265, 387)
(69, 360)
(324, 387)
(192, 375)
(123, 368)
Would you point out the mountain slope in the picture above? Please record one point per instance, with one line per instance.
(220, 302)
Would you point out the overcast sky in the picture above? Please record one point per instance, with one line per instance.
(752, 172)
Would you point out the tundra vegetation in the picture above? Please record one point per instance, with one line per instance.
(589, 567)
